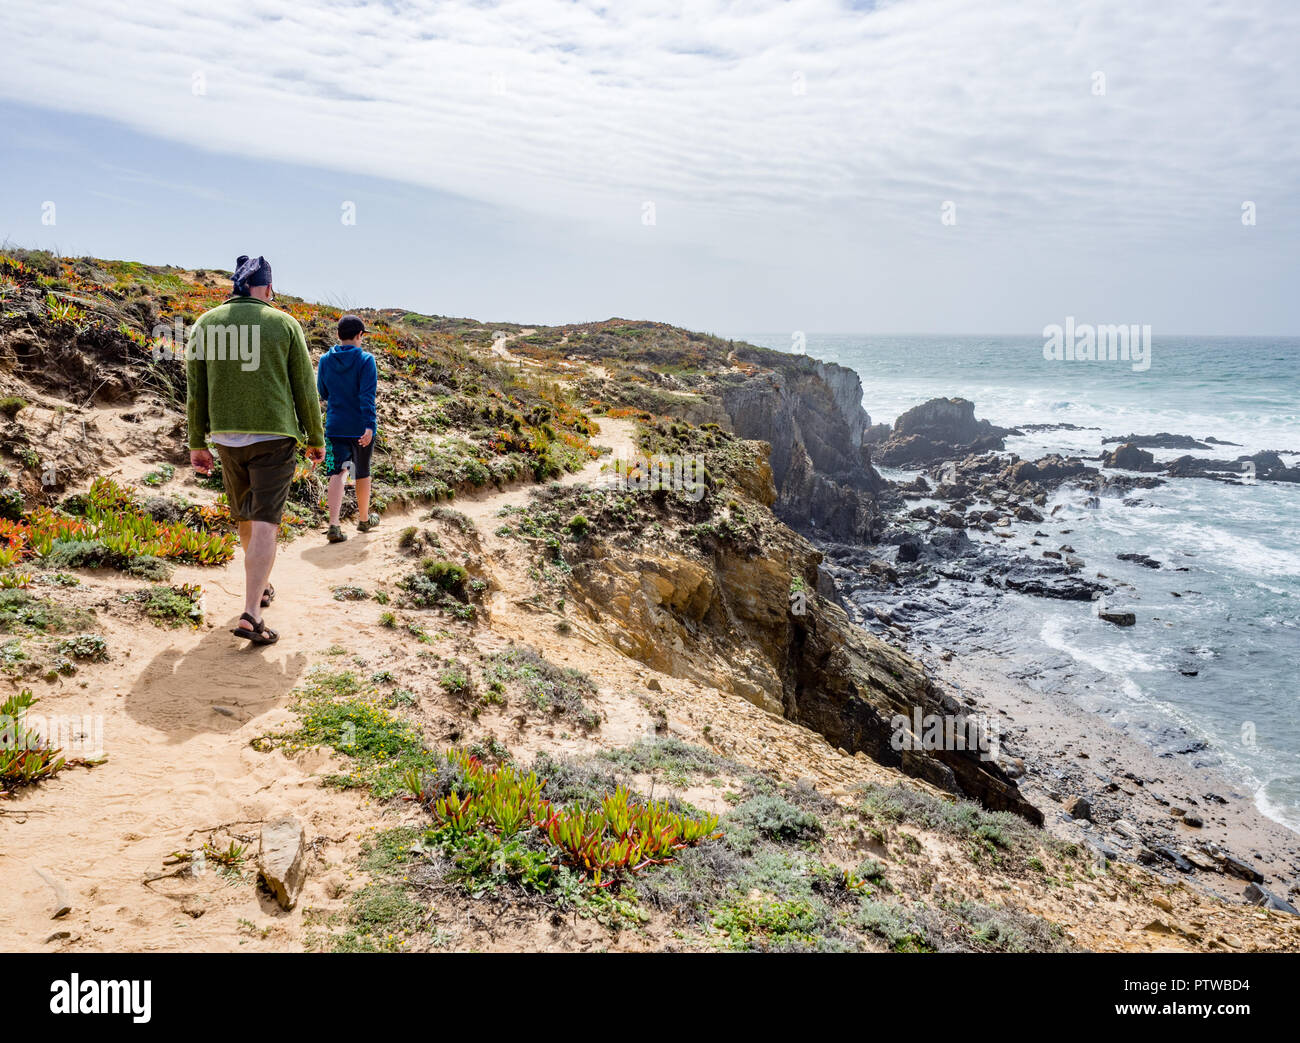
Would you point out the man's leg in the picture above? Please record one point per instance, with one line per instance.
(270, 470)
(334, 496)
(259, 557)
(363, 498)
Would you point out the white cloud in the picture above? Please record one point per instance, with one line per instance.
(587, 109)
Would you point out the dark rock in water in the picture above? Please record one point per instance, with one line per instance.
(1035, 428)
(1266, 899)
(1163, 440)
(1219, 441)
(1140, 559)
(1120, 619)
(1199, 467)
(1051, 584)
(909, 551)
(941, 429)
(952, 543)
(1129, 457)
(1270, 467)
(1265, 466)
(950, 420)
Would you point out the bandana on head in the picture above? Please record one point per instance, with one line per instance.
(256, 272)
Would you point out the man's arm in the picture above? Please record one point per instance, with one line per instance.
(196, 400)
(306, 402)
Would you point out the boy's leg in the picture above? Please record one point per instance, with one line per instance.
(363, 497)
(362, 457)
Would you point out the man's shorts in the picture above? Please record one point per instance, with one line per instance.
(347, 450)
(257, 478)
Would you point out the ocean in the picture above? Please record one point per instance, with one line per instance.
(1232, 618)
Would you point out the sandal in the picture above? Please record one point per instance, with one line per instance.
(259, 633)
(372, 522)
(268, 595)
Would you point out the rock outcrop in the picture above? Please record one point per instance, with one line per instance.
(752, 618)
(941, 429)
(811, 414)
(1128, 457)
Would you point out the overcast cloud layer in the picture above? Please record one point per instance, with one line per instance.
(806, 147)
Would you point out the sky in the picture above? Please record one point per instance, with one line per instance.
(813, 165)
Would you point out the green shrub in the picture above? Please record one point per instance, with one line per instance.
(444, 574)
(12, 505)
(775, 818)
(170, 606)
(455, 680)
(21, 611)
(90, 647)
(146, 566)
(78, 554)
(25, 757)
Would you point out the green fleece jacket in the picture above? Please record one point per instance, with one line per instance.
(248, 370)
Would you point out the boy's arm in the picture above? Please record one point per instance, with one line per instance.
(305, 400)
(196, 389)
(369, 386)
(321, 389)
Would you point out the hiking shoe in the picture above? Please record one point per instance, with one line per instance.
(336, 534)
(368, 524)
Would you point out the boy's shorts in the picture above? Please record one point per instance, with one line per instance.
(347, 450)
(257, 478)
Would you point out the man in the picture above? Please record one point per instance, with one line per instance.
(346, 379)
(250, 387)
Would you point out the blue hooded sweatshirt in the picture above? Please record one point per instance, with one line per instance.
(346, 378)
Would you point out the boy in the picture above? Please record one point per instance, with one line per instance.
(346, 379)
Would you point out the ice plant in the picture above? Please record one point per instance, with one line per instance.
(622, 835)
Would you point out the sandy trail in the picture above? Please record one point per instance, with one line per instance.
(176, 710)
